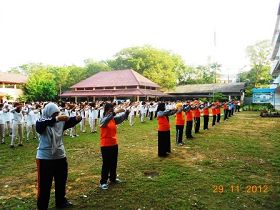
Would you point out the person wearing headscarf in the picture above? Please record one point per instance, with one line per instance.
(180, 123)
(196, 113)
(189, 120)
(109, 143)
(205, 116)
(51, 157)
(164, 144)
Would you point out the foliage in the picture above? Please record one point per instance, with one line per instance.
(160, 66)
(9, 97)
(92, 67)
(258, 107)
(200, 75)
(218, 97)
(22, 98)
(40, 86)
(259, 74)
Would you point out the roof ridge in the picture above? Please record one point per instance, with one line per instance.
(132, 71)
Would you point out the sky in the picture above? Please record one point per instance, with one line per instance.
(66, 32)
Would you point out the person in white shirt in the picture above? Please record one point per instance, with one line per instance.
(7, 118)
(143, 111)
(131, 115)
(2, 125)
(92, 116)
(73, 113)
(83, 115)
(30, 122)
(17, 127)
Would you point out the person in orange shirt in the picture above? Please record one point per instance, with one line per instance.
(225, 111)
(189, 119)
(205, 116)
(214, 113)
(196, 113)
(218, 111)
(109, 143)
(164, 145)
(180, 123)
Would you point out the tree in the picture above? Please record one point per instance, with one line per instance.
(259, 74)
(92, 67)
(40, 86)
(200, 75)
(160, 66)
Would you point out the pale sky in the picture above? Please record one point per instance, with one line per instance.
(65, 32)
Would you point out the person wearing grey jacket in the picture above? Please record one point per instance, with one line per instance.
(51, 157)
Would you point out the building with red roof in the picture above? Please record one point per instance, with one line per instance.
(11, 86)
(117, 84)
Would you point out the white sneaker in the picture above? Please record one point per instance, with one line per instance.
(104, 186)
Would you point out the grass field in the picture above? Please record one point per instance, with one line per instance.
(235, 165)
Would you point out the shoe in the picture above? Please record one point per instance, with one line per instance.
(66, 204)
(20, 145)
(117, 181)
(12, 146)
(180, 144)
(104, 186)
(3, 142)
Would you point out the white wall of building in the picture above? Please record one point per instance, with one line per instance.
(14, 93)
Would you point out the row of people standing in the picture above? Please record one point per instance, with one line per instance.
(188, 114)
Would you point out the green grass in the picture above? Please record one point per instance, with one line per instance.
(243, 151)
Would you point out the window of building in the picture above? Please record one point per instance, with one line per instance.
(80, 89)
(120, 87)
(89, 88)
(9, 85)
(131, 87)
(109, 88)
(153, 88)
(99, 88)
(142, 87)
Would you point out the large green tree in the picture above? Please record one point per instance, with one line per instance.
(259, 73)
(202, 74)
(41, 86)
(160, 66)
(92, 67)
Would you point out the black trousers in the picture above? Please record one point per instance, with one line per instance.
(109, 165)
(214, 120)
(225, 114)
(47, 170)
(164, 144)
(179, 133)
(218, 117)
(151, 115)
(206, 121)
(189, 129)
(197, 124)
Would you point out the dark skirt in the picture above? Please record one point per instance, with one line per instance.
(164, 144)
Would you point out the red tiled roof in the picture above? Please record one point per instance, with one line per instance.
(115, 78)
(106, 93)
(12, 78)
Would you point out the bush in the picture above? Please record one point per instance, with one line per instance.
(258, 107)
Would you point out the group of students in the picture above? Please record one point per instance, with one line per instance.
(18, 120)
(189, 114)
(55, 120)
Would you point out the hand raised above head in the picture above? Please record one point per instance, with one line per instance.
(78, 118)
(62, 118)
